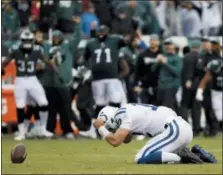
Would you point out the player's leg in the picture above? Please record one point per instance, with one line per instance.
(99, 94)
(37, 92)
(216, 99)
(20, 98)
(115, 92)
(162, 148)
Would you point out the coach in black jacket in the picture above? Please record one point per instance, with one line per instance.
(190, 83)
(145, 79)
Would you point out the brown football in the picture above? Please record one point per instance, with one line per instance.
(18, 153)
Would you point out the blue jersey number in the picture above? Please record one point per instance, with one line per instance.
(153, 107)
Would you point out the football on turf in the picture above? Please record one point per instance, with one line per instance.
(128, 138)
(18, 153)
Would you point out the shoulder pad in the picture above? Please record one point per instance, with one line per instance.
(15, 46)
(214, 65)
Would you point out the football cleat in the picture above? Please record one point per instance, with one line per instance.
(204, 155)
(19, 137)
(187, 156)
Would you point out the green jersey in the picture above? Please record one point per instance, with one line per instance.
(26, 61)
(104, 57)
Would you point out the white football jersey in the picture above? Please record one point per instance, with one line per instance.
(143, 119)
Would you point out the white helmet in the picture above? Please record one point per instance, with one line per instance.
(108, 113)
(27, 39)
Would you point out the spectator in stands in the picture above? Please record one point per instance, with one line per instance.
(121, 23)
(68, 14)
(103, 10)
(23, 8)
(191, 22)
(170, 65)
(47, 15)
(211, 9)
(168, 14)
(10, 20)
(89, 20)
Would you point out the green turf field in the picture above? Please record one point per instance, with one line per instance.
(89, 156)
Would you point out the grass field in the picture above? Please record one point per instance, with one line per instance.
(94, 156)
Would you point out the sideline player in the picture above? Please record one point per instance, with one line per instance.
(170, 133)
(26, 55)
(214, 72)
(102, 55)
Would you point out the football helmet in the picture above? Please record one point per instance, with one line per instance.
(27, 39)
(108, 113)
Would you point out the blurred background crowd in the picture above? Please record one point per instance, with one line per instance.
(149, 27)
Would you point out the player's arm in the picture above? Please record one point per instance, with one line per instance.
(117, 138)
(6, 62)
(202, 86)
(124, 68)
(8, 59)
(207, 77)
(113, 139)
(49, 62)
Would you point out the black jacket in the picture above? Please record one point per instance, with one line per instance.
(144, 76)
(189, 68)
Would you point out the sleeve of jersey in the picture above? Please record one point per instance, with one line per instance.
(123, 120)
(212, 66)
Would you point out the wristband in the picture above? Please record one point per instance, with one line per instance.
(103, 132)
(200, 91)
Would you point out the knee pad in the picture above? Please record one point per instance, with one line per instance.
(43, 108)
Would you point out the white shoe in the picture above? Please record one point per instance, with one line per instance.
(32, 133)
(69, 136)
(47, 134)
(140, 138)
(91, 134)
(19, 137)
(16, 133)
(84, 133)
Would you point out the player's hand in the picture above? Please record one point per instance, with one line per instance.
(93, 25)
(138, 89)
(161, 59)
(76, 19)
(199, 95)
(98, 123)
(188, 84)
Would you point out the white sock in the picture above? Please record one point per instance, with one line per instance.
(170, 157)
(92, 128)
(26, 125)
(21, 129)
(43, 119)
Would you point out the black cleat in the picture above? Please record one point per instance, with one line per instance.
(187, 156)
(204, 155)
